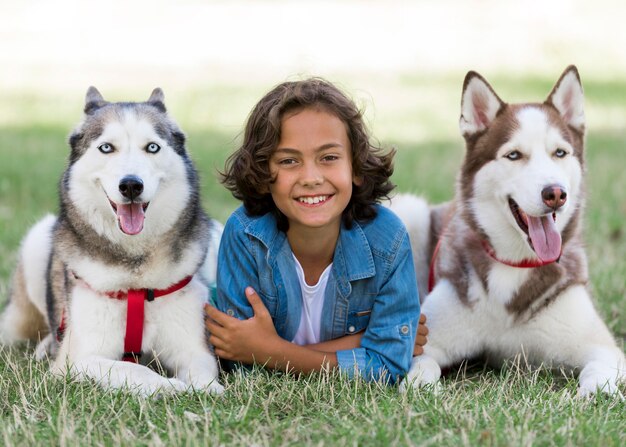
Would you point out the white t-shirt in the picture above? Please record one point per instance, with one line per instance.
(312, 304)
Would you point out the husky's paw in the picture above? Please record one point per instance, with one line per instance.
(214, 388)
(424, 371)
(594, 385)
(597, 377)
(157, 388)
(45, 348)
(206, 384)
(137, 379)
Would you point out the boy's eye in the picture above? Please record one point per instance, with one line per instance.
(287, 161)
(330, 157)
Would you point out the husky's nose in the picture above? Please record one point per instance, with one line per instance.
(131, 187)
(554, 196)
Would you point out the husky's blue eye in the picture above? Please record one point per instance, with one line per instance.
(560, 153)
(153, 148)
(514, 155)
(105, 148)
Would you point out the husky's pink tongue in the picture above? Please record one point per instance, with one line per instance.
(130, 217)
(545, 237)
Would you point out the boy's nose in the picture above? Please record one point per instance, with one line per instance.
(313, 181)
(311, 176)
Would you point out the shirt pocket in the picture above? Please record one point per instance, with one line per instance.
(358, 320)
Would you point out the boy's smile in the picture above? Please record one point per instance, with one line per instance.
(313, 200)
(312, 170)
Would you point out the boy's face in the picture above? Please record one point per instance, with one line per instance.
(312, 168)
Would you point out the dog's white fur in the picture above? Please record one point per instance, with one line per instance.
(483, 307)
(174, 332)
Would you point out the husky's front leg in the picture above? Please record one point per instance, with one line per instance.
(424, 371)
(200, 371)
(182, 347)
(192, 362)
(450, 337)
(586, 342)
(569, 333)
(604, 370)
(117, 374)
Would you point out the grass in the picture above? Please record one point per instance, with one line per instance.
(475, 406)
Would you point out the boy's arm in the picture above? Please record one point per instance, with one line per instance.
(255, 341)
(388, 343)
(338, 344)
(235, 272)
(354, 341)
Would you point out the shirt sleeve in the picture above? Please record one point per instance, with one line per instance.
(236, 270)
(387, 344)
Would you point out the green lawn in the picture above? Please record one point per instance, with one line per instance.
(418, 116)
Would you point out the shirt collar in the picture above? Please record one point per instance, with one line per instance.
(264, 229)
(353, 253)
(352, 261)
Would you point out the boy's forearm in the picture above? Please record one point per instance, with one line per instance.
(338, 344)
(290, 357)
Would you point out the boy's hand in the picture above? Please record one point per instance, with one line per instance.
(243, 341)
(420, 339)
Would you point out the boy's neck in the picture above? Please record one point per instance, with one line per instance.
(314, 248)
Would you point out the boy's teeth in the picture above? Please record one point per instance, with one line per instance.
(312, 200)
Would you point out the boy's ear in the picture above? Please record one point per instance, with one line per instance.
(357, 180)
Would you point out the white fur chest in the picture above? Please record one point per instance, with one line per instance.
(504, 282)
(158, 272)
(98, 323)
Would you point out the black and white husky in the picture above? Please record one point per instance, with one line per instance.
(123, 270)
(506, 258)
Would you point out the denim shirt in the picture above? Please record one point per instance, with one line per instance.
(372, 287)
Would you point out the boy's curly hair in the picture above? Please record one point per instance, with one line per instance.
(247, 174)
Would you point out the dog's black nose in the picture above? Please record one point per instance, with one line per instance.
(131, 187)
(554, 196)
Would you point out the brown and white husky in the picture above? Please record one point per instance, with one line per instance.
(509, 270)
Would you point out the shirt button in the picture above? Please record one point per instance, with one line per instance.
(351, 329)
(404, 329)
(230, 312)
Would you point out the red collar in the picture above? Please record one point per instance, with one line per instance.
(134, 314)
(431, 270)
(524, 263)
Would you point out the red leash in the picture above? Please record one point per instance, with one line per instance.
(136, 299)
(134, 317)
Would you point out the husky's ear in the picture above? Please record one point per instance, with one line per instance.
(567, 97)
(157, 99)
(479, 105)
(93, 100)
